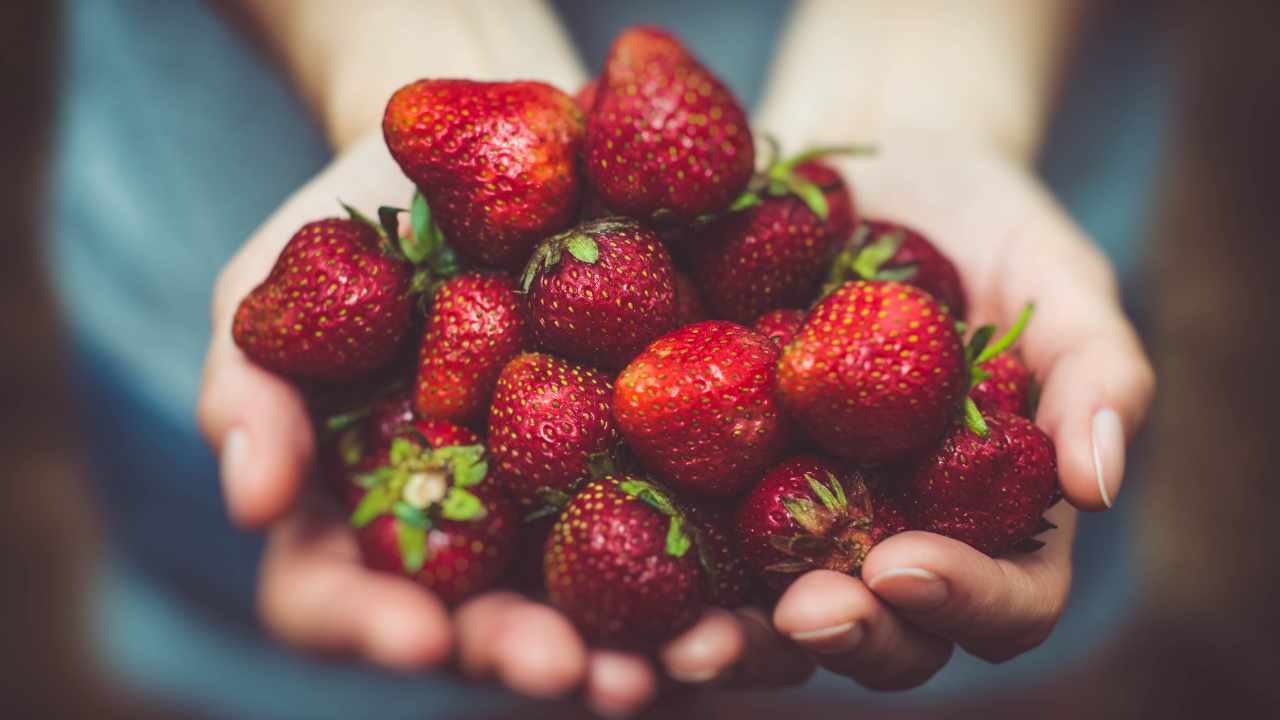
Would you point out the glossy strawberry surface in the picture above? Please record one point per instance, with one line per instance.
(611, 569)
(549, 417)
(665, 139)
(774, 255)
(476, 325)
(601, 292)
(1008, 388)
(496, 161)
(990, 492)
(335, 306)
(698, 407)
(876, 372)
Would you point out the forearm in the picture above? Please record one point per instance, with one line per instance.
(347, 58)
(856, 70)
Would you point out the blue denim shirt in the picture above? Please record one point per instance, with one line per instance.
(177, 138)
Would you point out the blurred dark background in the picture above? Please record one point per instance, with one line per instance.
(1204, 639)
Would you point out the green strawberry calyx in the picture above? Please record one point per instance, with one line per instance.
(578, 242)
(422, 487)
(864, 257)
(779, 178)
(678, 539)
(834, 532)
(424, 246)
(979, 350)
(550, 500)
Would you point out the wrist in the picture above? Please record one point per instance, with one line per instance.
(349, 63)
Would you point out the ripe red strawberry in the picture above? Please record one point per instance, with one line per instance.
(364, 438)
(336, 305)
(698, 408)
(600, 292)
(988, 491)
(807, 512)
(776, 253)
(549, 417)
(875, 373)
(997, 380)
(432, 515)
(665, 140)
(883, 250)
(780, 326)
(689, 307)
(1007, 386)
(476, 325)
(497, 161)
(621, 564)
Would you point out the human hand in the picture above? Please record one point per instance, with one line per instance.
(315, 593)
(921, 593)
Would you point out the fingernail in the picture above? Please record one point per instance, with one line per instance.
(831, 640)
(1108, 453)
(235, 457)
(910, 588)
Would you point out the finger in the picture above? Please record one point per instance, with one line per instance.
(770, 659)
(994, 608)
(705, 650)
(852, 633)
(314, 594)
(530, 647)
(257, 423)
(255, 420)
(619, 684)
(1097, 381)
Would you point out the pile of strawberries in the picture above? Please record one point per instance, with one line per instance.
(615, 360)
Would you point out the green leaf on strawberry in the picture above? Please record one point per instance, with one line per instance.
(413, 546)
(678, 541)
(378, 501)
(461, 505)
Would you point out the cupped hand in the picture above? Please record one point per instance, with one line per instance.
(314, 592)
(920, 593)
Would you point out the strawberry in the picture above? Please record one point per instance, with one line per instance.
(776, 253)
(431, 514)
(476, 325)
(997, 380)
(665, 140)
(1007, 387)
(698, 408)
(807, 512)
(988, 489)
(364, 437)
(497, 161)
(780, 326)
(689, 307)
(336, 305)
(876, 371)
(882, 250)
(600, 292)
(621, 564)
(548, 418)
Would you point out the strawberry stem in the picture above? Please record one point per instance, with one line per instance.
(1004, 342)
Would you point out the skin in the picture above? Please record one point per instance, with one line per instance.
(966, 185)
